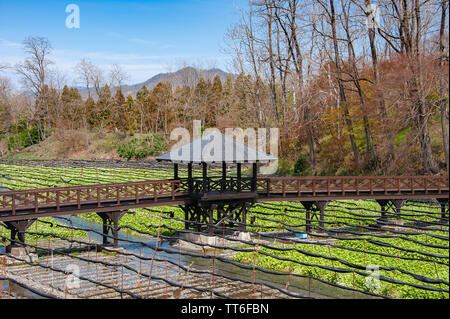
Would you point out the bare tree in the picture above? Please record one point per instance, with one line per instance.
(443, 104)
(376, 76)
(118, 76)
(34, 70)
(83, 71)
(286, 15)
(370, 149)
(342, 99)
(91, 75)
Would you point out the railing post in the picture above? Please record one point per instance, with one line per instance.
(13, 203)
(173, 189)
(57, 200)
(190, 185)
(78, 199)
(36, 204)
(136, 189)
(314, 186)
(439, 185)
(239, 181)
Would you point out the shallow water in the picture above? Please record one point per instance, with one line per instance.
(302, 286)
(145, 247)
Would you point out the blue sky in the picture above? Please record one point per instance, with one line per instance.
(144, 37)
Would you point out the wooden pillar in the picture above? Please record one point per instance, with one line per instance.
(398, 203)
(111, 221)
(308, 210)
(190, 177)
(254, 176)
(322, 205)
(383, 207)
(239, 176)
(224, 176)
(18, 229)
(175, 171)
(205, 177)
(444, 209)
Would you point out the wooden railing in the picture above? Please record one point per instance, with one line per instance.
(99, 194)
(348, 186)
(218, 184)
(345, 187)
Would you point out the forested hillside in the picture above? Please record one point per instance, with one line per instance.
(355, 87)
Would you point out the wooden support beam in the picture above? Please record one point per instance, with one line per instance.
(383, 207)
(398, 203)
(254, 176)
(111, 222)
(190, 185)
(239, 177)
(18, 229)
(205, 177)
(444, 202)
(175, 171)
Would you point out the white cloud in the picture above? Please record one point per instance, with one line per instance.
(141, 41)
(9, 44)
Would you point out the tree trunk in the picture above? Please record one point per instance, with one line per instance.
(419, 101)
(370, 149)
(271, 62)
(379, 94)
(443, 101)
(342, 97)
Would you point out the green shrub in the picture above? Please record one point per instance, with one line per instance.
(153, 144)
(24, 139)
(300, 166)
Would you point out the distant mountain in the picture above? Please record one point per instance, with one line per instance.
(185, 76)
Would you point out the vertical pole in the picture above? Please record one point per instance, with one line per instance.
(239, 176)
(321, 222)
(190, 177)
(175, 171)
(443, 204)
(205, 177)
(105, 230)
(255, 176)
(308, 225)
(224, 176)
(383, 211)
(116, 231)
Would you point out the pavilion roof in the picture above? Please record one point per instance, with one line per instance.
(215, 148)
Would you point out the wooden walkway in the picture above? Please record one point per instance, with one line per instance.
(36, 203)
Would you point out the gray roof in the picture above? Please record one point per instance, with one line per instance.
(214, 148)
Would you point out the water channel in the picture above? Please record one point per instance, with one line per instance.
(145, 247)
